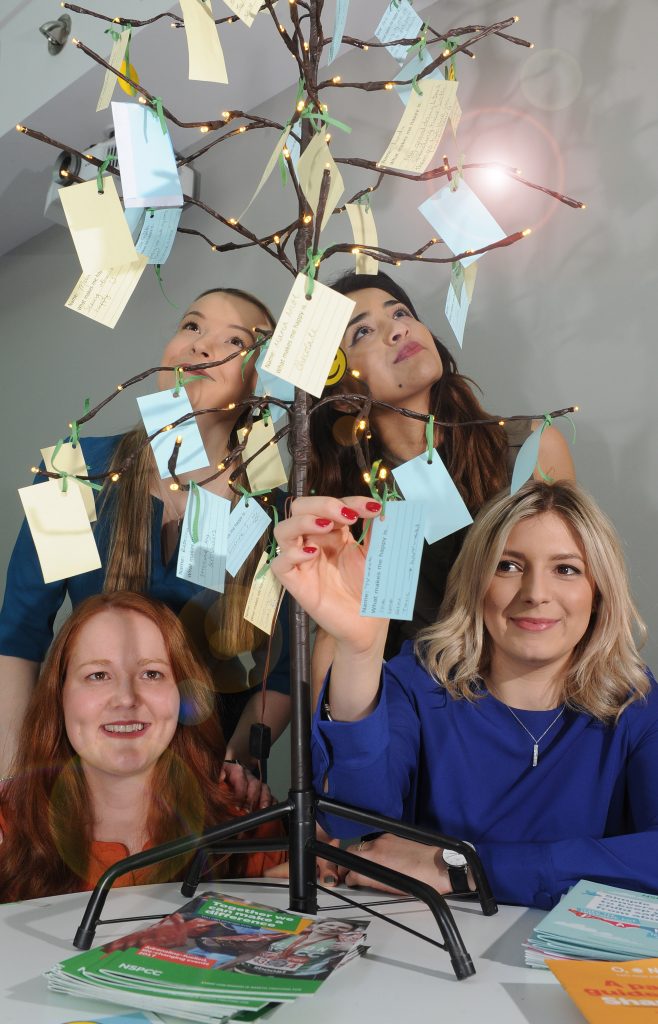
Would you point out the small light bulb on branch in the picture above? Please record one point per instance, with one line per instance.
(20, 128)
(389, 86)
(213, 248)
(576, 408)
(446, 53)
(336, 79)
(286, 152)
(114, 478)
(119, 387)
(306, 45)
(366, 477)
(276, 239)
(362, 424)
(383, 473)
(232, 220)
(526, 232)
(226, 114)
(173, 487)
(74, 42)
(63, 173)
(231, 405)
(307, 218)
(142, 100)
(179, 440)
(242, 128)
(501, 423)
(300, 105)
(355, 373)
(221, 467)
(355, 251)
(33, 469)
(204, 128)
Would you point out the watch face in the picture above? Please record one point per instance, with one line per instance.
(454, 859)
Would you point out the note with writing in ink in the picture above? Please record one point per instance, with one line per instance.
(157, 411)
(364, 230)
(247, 524)
(99, 231)
(204, 50)
(312, 164)
(414, 68)
(60, 529)
(393, 562)
(147, 165)
(267, 470)
(70, 459)
(204, 561)
(115, 60)
(526, 460)
(399, 21)
(104, 295)
(420, 129)
(155, 231)
(462, 220)
(263, 598)
(246, 10)
(307, 335)
(268, 384)
(430, 485)
(342, 7)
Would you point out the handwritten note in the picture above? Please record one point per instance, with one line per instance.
(430, 484)
(155, 230)
(247, 524)
(364, 231)
(399, 22)
(246, 10)
(313, 162)
(157, 411)
(268, 384)
(117, 54)
(393, 562)
(307, 335)
(267, 470)
(204, 561)
(70, 459)
(103, 296)
(149, 176)
(342, 7)
(60, 529)
(462, 220)
(263, 598)
(526, 460)
(421, 126)
(99, 231)
(204, 50)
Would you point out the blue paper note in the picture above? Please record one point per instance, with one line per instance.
(157, 411)
(154, 231)
(247, 524)
(268, 384)
(339, 27)
(526, 460)
(456, 312)
(204, 561)
(294, 148)
(430, 484)
(413, 68)
(393, 562)
(462, 220)
(399, 22)
(147, 165)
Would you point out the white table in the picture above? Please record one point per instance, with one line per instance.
(399, 980)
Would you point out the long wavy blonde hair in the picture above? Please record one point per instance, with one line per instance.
(606, 672)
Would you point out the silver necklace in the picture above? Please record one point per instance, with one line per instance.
(536, 739)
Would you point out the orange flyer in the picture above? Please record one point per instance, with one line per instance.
(621, 990)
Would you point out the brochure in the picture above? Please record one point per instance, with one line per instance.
(609, 992)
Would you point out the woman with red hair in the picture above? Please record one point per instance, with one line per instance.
(121, 750)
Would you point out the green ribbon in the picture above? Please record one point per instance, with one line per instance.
(311, 269)
(64, 474)
(419, 47)
(248, 495)
(271, 551)
(283, 170)
(74, 436)
(320, 118)
(415, 86)
(158, 273)
(451, 67)
(157, 109)
(364, 201)
(266, 415)
(573, 427)
(101, 170)
(182, 380)
(429, 438)
(548, 421)
(195, 498)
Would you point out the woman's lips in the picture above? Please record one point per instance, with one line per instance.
(534, 625)
(410, 348)
(125, 730)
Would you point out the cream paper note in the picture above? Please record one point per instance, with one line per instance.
(421, 126)
(312, 164)
(263, 598)
(98, 227)
(364, 230)
(307, 335)
(72, 460)
(104, 296)
(61, 530)
(271, 164)
(246, 10)
(206, 58)
(115, 59)
(267, 471)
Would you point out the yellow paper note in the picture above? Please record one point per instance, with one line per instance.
(307, 335)
(312, 164)
(470, 273)
(267, 471)
(72, 460)
(271, 164)
(60, 530)
(104, 296)
(605, 993)
(246, 10)
(364, 230)
(455, 116)
(263, 598)
(421, 126)
(99, 230)
(115, 59)
(206, 59)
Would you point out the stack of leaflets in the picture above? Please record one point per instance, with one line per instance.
(596, 922)
(216, 959)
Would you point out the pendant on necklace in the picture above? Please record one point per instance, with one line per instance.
(535, 755)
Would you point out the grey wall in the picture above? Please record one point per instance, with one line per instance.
(565, 317)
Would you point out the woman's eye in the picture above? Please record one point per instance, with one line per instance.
(567, 570)
(153, 673)
(401, 312)
(238, 342)
(359, 333)
(98, 677)
(190, 325)
(507, 568)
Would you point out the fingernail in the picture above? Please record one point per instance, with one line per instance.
(330, 880)
(309, 550)
(323, 522)
(349, 513)
(373, 506)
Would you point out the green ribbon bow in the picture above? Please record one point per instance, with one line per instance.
(247, 494)
(64, 474)
(195, 498)
(419, 47)
(429, 439)
(311, 268)
(101, 170)
(157, 109)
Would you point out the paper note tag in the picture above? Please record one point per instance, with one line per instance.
(61, 530)
(247, 524)
(462, 220)
(526, 460)
(411, 70)
(204, 562)
(267, 470)
(149, 176)
(342, 7)
(269, 167)
(294, 149)
(364, 230)
(246, 10)
(456, 311)
(72, 460)
(399, 22)
(307, 335)
(312, 164)
(98, 228)
(393, 562)
(421, 126)
(430, 484)
(204, 50)
(115, 60)
(263, 598)
(158, 232)
(158, 410)
(103, 296)
(455, 116)
(268, 384)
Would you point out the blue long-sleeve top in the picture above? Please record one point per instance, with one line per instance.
(589, 809)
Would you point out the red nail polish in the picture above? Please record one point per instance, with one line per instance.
(349, 513)
(309, 550)
(374, 506)
(323, 522)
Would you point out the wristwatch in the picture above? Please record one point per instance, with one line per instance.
(457, 869)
